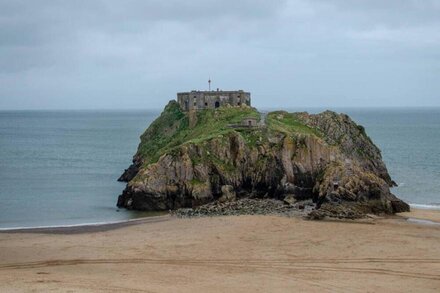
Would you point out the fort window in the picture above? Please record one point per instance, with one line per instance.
(217, 104)
(206, 104)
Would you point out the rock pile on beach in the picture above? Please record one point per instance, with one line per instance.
(268, 206)
(335, 211)
(246, 206)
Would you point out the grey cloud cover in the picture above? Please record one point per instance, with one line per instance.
(137, 54)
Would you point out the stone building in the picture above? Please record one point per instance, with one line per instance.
(249, 122)
(198, 100)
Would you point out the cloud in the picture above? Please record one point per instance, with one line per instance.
(113, 54)
(403, 21)
(35, 31)
(393, 13)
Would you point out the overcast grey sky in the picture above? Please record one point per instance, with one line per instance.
(90, 54)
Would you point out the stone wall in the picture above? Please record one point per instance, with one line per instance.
(249, 122)
(197, 100)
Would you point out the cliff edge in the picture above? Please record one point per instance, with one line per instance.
(189, 159)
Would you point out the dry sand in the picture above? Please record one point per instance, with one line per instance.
(228, 254)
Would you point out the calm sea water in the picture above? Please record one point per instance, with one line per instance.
(410, 143)
(60, 167)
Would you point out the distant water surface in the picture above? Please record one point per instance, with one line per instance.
(410, 143)
(60, 167)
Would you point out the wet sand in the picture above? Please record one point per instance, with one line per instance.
(227, 254)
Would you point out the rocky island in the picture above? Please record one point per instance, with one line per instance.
(231, 159)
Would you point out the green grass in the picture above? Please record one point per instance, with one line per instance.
(253, 137)
(289, 124)
(212, 123)
(161, 132)
(172, 128)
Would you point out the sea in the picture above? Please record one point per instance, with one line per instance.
(60, 168)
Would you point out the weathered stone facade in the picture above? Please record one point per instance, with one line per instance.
(247, 122)
(197, 100)
(250, 122)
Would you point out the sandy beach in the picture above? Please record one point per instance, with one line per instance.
(228, 254)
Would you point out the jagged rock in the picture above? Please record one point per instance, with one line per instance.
(290, 199)
(228, 193)
(399, 206)
(186, 162)
(344, 211)
(130, 172)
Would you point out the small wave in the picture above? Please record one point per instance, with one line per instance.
(71, 225)
(422, 221)
(425, 206)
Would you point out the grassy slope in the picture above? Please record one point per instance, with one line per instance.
(288, 123)
(172, 128)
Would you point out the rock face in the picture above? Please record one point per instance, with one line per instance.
(190, 159)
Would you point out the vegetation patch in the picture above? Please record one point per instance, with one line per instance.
(172, 129)
(289, 124)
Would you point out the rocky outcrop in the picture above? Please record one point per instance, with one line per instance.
(131, 171)
(326, 158)
(351, 138)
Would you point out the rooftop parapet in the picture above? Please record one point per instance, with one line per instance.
(199, 100)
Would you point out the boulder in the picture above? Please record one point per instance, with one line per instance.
(228, 193)
(289, 199)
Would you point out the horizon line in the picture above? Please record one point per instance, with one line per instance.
(270, 107)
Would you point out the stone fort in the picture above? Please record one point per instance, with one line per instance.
(198, 100)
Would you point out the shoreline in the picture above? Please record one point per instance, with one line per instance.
(227, 254)
(87, 227)
(412, 217)
(424, 206)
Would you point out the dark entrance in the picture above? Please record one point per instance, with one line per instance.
(217, 104)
